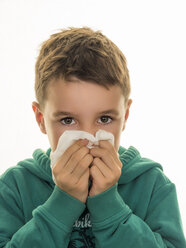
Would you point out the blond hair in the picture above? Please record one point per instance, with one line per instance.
(81, 52)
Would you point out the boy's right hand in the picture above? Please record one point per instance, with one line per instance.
(71, 172)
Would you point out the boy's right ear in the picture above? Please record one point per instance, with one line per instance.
(39, 117)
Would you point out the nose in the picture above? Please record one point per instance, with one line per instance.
(89, 129)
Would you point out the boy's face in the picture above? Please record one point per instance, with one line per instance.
(80, 105)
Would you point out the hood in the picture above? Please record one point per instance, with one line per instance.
(39, 165)
(133, 164)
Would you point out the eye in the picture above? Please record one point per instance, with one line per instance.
(105, 119)
(67, 121)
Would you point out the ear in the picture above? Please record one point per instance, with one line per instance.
(127, 113)
(39, 117)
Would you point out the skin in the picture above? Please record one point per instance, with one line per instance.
(79, 105)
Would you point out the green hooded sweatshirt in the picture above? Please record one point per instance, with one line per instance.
(140, 211)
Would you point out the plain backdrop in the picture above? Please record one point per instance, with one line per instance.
(151, 34)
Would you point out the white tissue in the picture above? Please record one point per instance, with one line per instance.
(69, 137)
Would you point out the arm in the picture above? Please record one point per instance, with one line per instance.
(52, 222)
(50, 226)
(114, 224)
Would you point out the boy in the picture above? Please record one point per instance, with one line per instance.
(82, 83)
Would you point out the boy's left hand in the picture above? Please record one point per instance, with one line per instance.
(106, 167)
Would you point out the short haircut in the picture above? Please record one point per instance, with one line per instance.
(82, 53)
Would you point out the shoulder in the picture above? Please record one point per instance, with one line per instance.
(136, 167)
(15, 173)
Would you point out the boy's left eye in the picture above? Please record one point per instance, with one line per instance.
(105, 119)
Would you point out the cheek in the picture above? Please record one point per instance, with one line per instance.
(53, 132)
(117, 135)
(54, 141)
(117, 142)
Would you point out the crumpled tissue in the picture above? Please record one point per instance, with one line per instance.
(70, 136)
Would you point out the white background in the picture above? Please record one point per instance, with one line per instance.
(151, 34)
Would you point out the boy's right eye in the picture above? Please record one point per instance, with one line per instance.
(67, 121)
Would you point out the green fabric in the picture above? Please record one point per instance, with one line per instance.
(140, 211)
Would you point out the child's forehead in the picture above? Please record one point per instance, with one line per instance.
(73, 83)
(78, 94)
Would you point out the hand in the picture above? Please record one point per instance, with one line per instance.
(72, 171)
(106, 167)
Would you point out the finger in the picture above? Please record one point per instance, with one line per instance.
(84, 179)
(65, 158)
(107, 153)
(107, 145)
(82, 166)
(105, 170)
(71, 150)
(96, 174)
(76, 158)
(105, 156)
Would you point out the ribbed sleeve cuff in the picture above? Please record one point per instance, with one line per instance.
(64, 208)
(107, 206)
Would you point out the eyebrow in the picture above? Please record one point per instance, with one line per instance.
(64, 113)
